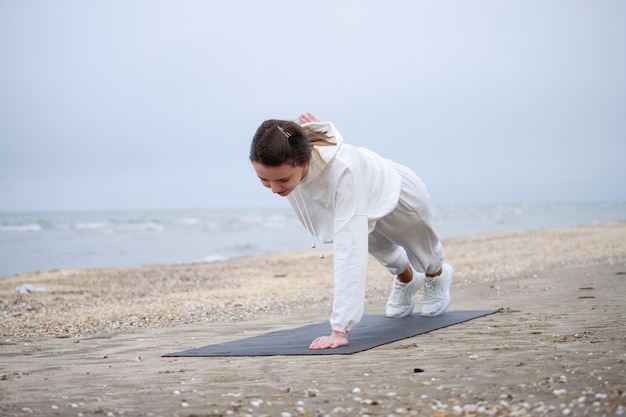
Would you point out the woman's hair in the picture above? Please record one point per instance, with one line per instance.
(277, 142)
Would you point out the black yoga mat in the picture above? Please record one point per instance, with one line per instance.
(373, 330)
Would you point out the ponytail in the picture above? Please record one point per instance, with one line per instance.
(277, 142)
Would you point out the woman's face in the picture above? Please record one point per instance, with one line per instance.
(281, 179)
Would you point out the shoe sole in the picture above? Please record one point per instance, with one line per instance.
(450, 272)
(409, 311)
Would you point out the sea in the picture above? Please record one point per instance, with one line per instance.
(41, 241)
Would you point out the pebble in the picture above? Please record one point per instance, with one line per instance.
(28, 289)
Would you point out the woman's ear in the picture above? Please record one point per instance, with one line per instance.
(305, 170)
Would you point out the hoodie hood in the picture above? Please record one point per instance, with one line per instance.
(322, 155)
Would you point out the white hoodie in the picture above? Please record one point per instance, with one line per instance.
(339, 201)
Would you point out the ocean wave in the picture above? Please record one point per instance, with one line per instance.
(90, 226)
(20, 228)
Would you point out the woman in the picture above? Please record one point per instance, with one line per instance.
(361, 203)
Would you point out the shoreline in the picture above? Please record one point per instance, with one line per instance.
(128, 239)
(92, 343)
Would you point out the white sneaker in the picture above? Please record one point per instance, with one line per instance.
(437, 292)
(402, 298)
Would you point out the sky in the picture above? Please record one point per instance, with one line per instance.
(144, 104)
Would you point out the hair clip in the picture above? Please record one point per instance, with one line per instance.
(283, 130)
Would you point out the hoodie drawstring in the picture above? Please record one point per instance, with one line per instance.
(308, 224)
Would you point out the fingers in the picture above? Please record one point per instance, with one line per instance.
(322, 345)
(308, 118)
(327, 342)
(319, 344)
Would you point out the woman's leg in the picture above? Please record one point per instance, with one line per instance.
(405, 284)
(390, 255)
(409, 226)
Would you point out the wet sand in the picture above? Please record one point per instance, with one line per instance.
(91, 343)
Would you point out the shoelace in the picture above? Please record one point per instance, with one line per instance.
(430, 285)
(398, 290)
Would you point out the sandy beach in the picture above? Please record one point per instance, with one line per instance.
(90, 343)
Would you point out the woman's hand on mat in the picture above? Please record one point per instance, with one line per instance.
(333, 341)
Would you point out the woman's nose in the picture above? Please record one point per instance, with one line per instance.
(275, 187)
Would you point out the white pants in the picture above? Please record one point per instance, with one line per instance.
(405, 236)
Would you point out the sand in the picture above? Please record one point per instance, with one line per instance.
(91, 343)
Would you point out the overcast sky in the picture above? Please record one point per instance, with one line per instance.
(152, 104)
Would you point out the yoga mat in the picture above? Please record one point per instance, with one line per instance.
(373, 330)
